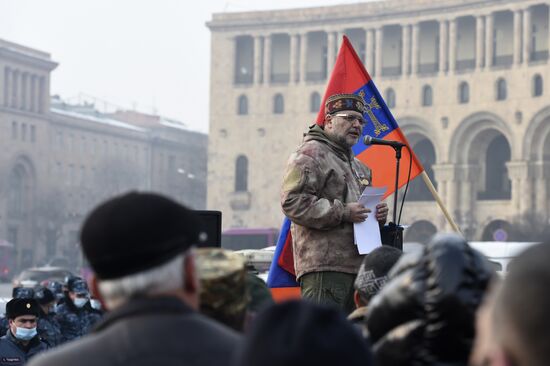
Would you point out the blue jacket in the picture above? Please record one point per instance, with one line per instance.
(74, 322)
(49, 330)
(13, 352)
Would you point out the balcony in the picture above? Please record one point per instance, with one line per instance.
(316, 75)
(280, 78)
(494, 195)
(465, 64)
(244, 79)
(539, 55)
(391, 71)
(240, 201)
(428, 68)
(503, 60)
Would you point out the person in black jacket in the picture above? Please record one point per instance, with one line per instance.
(140, 248)
(22, 341)
(48, 328)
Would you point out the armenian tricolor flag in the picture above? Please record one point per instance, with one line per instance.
(349, 76)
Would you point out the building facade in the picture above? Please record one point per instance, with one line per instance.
(59, 160)
(466, 80)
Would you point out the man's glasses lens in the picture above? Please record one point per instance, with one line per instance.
(351, 118)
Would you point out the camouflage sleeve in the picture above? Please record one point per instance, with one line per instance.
(300, 200)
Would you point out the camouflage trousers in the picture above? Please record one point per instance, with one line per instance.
(329, 288)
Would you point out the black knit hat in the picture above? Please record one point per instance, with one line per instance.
(373, 272)
(136, 232)
(43, 295)
(18, 307)
(298, 333)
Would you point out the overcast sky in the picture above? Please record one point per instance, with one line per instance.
(153, 55)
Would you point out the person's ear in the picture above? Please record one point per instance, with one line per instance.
(357, 299)
(190, 278)
(94, 289)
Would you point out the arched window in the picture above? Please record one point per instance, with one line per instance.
(463, 93)
(19, 191)
(537, 85)
(427, 96)
(278, 104)
(390, 98)
(241, 174)
(314, 102)
(501, 89)
(242, 108)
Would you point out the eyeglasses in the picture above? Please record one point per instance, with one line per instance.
(352, 118)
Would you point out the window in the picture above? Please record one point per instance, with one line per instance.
(537, 85)
(244, 60)
(390, 98)
(241, 174)
(242, 108)
(314, 102)
(501, 89)
(427, 96)
(14, 130)
(463, 93)
(278, 104)
(23, 131)
(33, 133)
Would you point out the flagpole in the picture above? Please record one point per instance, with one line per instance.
(434, 193)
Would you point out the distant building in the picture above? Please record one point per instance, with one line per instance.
(467, 81)
(59, 160)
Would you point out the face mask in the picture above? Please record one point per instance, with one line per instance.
(80, 302)
(25, 334)
(95, 304)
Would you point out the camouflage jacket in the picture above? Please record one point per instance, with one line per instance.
(321, 178)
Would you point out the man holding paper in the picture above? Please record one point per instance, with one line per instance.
(321, 188)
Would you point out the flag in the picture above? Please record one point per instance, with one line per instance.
(349, 76)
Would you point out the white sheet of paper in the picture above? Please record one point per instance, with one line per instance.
(367, 233)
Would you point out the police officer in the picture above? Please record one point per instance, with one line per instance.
(16, 293)
(22, 341)
(73, 315)
(48, 327)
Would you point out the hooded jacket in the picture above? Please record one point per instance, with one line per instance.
(322, 177)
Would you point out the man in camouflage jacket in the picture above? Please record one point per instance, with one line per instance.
(321, 187)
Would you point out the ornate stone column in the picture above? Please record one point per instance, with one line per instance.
(415, 48)
(541, 176)
(378, 62)
(480, 37)
(267, 60)
(303, 57)
(7, 86)
(258, 59)
(489, 39)
(517, 36)
(369, 52)
(526, 35)
(294, 39)
(447, 185)
(443, 26)
(405, 55)
(331, 48)
(518, 173)
(452, 45)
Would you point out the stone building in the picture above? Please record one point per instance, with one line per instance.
(59, 160)
(466, 80)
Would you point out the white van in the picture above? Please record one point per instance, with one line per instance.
(500, 253)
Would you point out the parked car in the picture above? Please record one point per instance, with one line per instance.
(34, 276)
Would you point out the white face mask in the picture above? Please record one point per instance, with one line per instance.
(80, 302)
(25, 334)
(95, 304)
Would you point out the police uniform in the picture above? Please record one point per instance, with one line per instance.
(74, 321)
(12, 350)
(16, 293)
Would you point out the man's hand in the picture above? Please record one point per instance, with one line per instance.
(358, 212)
(382, 212)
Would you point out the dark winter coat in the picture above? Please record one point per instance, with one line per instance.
(149, 331)
(13, 352)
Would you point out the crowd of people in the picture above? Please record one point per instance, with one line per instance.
(168, 303)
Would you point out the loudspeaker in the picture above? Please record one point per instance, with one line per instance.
(211, 230)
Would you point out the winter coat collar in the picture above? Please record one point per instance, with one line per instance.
(144, 306)
(316, 133)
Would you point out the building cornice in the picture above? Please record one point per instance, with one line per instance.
(379, 11)
(27, 58)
